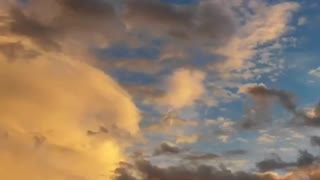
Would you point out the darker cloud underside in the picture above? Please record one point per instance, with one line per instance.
(285, 98)
(209, 22)
(196, 171)
(39, 33)
(206, 20)
(315, 141)
(166, 148)
(13, 51)
(276, 163)
(97, 8)
(182, 172)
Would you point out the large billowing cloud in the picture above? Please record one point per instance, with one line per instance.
(48, 106)
(51, 101)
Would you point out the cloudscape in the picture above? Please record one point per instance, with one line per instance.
(159, 90)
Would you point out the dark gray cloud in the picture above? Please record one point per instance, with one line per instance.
(201, 157)
(285, 98)
(167, 149)
(305, 158)
(276, 163)
(49, 23)
(26, 26)
(93, 8)
(183, 172)
(235, 152)
(206, 20)
(315, 140)
(273, 163)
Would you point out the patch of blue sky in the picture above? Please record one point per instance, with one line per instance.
(201, 58)
(124, 51)
(181, 2)
(23, 2)
(135, 78)
(233, 111)
(296, 78)
(151, 115)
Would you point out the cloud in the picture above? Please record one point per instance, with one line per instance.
(261, 91)
(266, 25)
(201, 157)
(315, 72)
(263, 96)
(167, 149)
(273, 163)
(315, 140)
(305, 159)
(236, 152)
(39, 33)
(314, 112)
(15, 50)
(52, 101)
(207, 20)
(95, 8)
(145, 170)
(169, 123)
(183, 88)
(187, 139)
(266, 139)
(59, 24)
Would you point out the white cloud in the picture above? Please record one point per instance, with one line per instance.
(266, 139)
(315, 72)
(266, 25)
(187, 139)
(183, 88)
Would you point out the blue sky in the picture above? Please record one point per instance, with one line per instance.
(180, 83)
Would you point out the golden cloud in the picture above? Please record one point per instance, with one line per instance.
(48, 105)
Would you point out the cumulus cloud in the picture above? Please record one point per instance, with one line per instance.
(59, 100)
(53, 102)
(183, 88)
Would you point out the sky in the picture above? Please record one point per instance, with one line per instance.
(159, 89)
